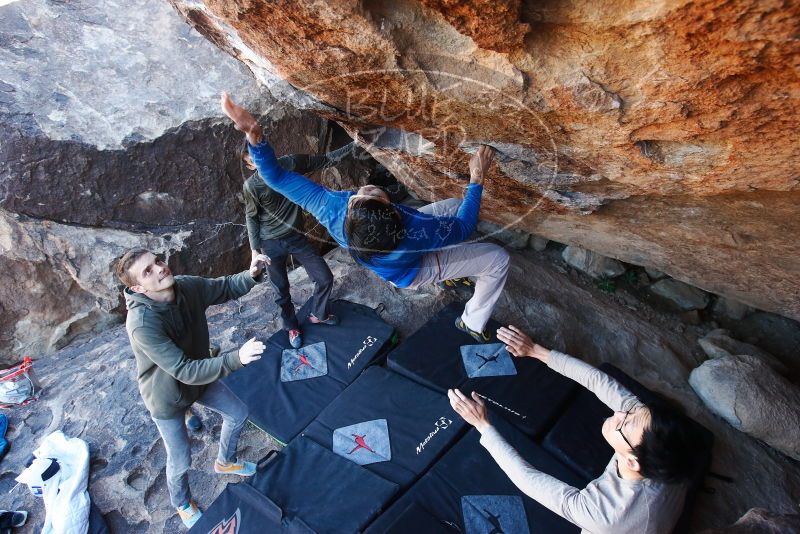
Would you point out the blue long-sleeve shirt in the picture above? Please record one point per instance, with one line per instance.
(423, 233)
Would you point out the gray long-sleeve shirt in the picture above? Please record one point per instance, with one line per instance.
(609, 504)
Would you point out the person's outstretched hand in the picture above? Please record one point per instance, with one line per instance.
(479, 164)
(251, 351)
(258, 263)
(472, 410)
(519, 344)
(242, 119)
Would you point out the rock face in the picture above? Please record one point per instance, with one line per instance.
(591, 263)
(655, 133)
(719, 344)
(753, 398)
(761, 521)
(111, 138)
(682, 295)
(90, 391)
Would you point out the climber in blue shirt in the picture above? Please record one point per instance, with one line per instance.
(402, 245)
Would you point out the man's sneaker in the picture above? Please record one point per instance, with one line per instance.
(455, 283)
(330, 320)
(295, 338)
(480, 337)
(190, 514)
(193, 423)
(12, 519)
(243, 469)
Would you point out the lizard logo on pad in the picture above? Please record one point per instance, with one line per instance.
(307, 362)
(364, 443)
(494, 514)
(487, 360)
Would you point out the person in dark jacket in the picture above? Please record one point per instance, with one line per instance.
(168, 332)
(275, 228)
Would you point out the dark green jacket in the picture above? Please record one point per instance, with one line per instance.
(270, 215)
(170, 341)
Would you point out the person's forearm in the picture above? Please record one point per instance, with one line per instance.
(609, 391)
(471, 206)
(255, 135)
(541, 487)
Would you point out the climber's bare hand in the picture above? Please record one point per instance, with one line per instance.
(479, 164)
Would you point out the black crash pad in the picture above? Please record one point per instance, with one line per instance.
(406, 425)
(310, 485)
(466, 491)
(285, 392)
(241, 509)
(531, 398)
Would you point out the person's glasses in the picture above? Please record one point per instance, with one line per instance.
(619, 428)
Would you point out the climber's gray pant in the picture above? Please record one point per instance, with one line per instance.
(217, 397)
(486, 262)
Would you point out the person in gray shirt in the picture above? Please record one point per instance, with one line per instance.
(643, 487)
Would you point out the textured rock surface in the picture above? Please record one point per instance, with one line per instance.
(753, 398)
(655, 133)
(592, 263)
(761, 521)
(95, 383)
(510, 238)
(110, 137)
(718, 344)
(731, 309)
(682, 295)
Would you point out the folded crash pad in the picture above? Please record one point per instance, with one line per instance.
(466, 491)
(523, 390)
(287, 388)
(388, 424)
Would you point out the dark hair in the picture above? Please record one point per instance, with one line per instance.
(123, 265)
(372, 227)
(671, 448)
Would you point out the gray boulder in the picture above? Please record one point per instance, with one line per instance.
(538, 243)
(511, 238)
(718, 344)
(761, 521)
(752, 397)
(111, 136)
(591, 263)
(684, 296)
(653, 273)
(730, 308)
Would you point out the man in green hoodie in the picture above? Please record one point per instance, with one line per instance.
(168, 332)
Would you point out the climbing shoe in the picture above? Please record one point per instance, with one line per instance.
(455, 283)
(12, 519)
(243, 469)
(480, 337)
(295, 338)
(330, 320)
(189, 514)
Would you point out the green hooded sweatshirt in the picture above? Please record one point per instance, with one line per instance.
(170, 341)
